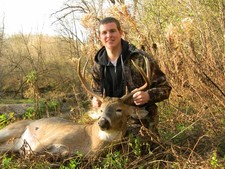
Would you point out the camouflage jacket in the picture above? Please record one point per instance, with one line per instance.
(114, 80)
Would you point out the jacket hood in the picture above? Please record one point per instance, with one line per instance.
(127, 49)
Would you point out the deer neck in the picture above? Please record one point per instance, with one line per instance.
(107, 136)
(100, 139)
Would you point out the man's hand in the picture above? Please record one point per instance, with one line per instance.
(95, 102)
(141, 97)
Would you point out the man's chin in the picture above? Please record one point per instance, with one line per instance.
(111, 46)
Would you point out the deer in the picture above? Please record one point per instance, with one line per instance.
(63, 137)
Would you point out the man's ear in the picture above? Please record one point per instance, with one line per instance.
(138, 113)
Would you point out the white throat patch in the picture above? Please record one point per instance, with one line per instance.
(109, 135)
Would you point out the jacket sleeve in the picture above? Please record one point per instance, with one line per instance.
(159, 88)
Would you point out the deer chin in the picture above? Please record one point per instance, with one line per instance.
(110, 135)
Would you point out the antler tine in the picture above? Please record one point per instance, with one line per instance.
(146, 78)
(84, 82)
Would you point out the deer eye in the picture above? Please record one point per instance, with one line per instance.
(119, 112)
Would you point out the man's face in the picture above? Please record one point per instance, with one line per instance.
(110, 36)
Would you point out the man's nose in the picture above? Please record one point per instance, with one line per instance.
(109, 34)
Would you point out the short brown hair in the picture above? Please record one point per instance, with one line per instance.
(110, 20)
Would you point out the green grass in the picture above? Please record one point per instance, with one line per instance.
(15, 101)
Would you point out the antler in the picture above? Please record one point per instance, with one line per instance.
(126, 96)
(84, 82)
(146, 78)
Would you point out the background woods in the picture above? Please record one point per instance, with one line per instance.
(185, 37)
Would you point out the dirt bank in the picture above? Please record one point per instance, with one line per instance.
(18, 109)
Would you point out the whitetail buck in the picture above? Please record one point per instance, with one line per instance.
(62, 137)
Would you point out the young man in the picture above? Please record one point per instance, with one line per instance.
(113, 73)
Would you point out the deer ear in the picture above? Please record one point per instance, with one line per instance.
(138, 113)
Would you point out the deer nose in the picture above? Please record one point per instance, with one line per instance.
(104, 123)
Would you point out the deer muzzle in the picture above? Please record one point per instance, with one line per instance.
(104, 123)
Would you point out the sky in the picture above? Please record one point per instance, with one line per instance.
(28, 16)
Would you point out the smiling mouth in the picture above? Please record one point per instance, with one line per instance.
(110, 40)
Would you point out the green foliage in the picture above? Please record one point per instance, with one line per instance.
(34, 112)
(214, 161)
(5, 119)
(74, 162)
(53, 105)
(15, 101)
(6, 162)
(31, 77)
(114, 160)
(29, 113)
(180, 127)
(40, 109)
(136, 146)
